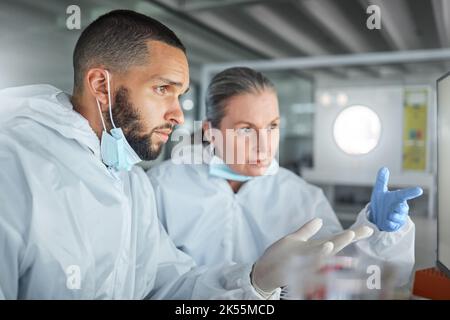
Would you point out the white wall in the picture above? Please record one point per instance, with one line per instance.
(387, 102)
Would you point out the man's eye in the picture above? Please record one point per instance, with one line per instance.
(161, 90)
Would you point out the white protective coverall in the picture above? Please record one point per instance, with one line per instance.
(211, 223)
(72, 229)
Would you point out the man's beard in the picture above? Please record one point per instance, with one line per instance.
(127, 118)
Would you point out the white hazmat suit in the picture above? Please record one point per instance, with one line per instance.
(211, 223)
(72, 229)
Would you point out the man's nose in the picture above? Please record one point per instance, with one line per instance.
(175, 113)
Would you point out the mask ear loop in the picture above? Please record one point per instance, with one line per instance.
(109, 100)
(109, 103)
(101, 115)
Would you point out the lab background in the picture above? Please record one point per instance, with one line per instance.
(330, 64)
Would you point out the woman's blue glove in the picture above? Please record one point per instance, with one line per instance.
(389, 209)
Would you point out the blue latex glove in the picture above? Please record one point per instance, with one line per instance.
(389, 209)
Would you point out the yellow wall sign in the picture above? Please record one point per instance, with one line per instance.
(415, 129)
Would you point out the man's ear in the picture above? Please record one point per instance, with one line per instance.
(97, 84)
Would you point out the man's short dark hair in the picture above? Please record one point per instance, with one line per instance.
(118, 40)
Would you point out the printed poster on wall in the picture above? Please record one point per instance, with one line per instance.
(415, 129)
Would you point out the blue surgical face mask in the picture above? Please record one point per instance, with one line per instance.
(219, 169)
(115, 149)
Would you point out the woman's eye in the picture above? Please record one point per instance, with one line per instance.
(161, 90)
(273, 126)
(244, 130)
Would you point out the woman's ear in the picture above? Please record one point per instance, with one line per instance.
(97, 84)
(206, 128)
(213, 136)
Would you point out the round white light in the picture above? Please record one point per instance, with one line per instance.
(357, 130)
(188, 104)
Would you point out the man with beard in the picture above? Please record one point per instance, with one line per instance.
(77, 218)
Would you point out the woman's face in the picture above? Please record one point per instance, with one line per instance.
(250, 131)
